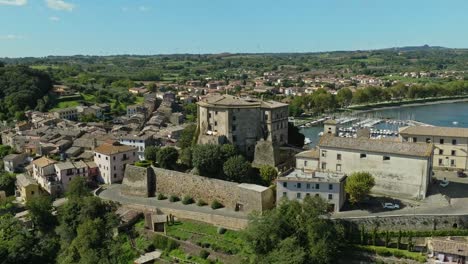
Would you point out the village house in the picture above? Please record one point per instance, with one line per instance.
(140, 142)
(448, 250)
(111, 159)
(14, 162)
(66, 171)
(45, 175)
(26, 187)
(70, 113)
(138, 90)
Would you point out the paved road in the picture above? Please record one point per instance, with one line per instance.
(112, 192)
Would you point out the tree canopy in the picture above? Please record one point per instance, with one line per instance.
(358, 186)
(237, 169)
(167, 157)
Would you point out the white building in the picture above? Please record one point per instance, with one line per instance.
(66, 171)
(44, 174)
(297, 184)
(140, 142)
(111, 159)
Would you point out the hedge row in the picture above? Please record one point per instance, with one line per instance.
(398, 253)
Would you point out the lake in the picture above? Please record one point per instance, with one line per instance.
(443, 114)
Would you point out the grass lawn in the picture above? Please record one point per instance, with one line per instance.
(66, 104)
(207, 236)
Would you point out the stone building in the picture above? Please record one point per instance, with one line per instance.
(401, 169)
(70, 113)
(242, 122)
(451, 144)
(140, 141)
(111, 159)
(26, 187)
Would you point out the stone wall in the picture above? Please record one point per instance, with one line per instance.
(412, 222)
(138, 181)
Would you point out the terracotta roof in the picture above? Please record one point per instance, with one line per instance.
(309, 154)
(375, 145)
(110, 149)
(450, 246)
(24, 180)
(43, 162)
(435, 131)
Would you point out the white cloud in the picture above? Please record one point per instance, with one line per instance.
(10, 37)
(143, 8)
(60, 5)
(54, 18)
(14, 2)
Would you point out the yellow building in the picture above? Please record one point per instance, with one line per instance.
(27, 188)
(451, 144)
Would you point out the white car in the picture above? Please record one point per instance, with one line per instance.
(391, 206)
(444, 183)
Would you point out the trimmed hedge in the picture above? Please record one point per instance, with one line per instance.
(187, 200)
(173, 199)
(216, 205)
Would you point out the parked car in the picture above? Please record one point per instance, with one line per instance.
(461, 174)
(391, 206)
(444, 183)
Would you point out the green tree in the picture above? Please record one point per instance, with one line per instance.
(344, 97)
(5, 150)
(207, 159)
(167, 157)
(40, 213)
(186, 157)
(268, 173)
(227, 151)
(7, 183)
(187, 136)
(237, 169)
(151, 153)
(77, 188)
(358, 186)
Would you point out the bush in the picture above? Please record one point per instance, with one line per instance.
(161, 196)
(173, 199)
(143, 163)
(216, 205)
(164, 243)
(201, 203)
(187, 200)
(204, 254)
(221, 230)
(382, 251)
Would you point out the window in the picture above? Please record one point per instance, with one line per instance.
(454, 141)
(324, 153)
(441, 152)
(386, 158)
(233, 118)
(234, 138)
(298, 195)
(330, 186)
(285, 184)
(317, 186)
(305, 163)
(338, 167)
(307, 194)
(338, 156)
(428, 140)
(99, 155)
(285, 194)
(441, 141)
(452, 163)
(216, 123)
(415, 140)
(308, 185)
(454, 152)
(114, 158)
(363, 156)
(115, 175)
(324, 166)
(330, 196)
(216, 112)
(233, 128)
(107, 158)
(441, 161)
(299, 185)
(32, 192)
(209, 115)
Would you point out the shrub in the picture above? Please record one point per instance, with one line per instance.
(173, 199)
(382, 251)
(216, 205)
(164, 243)
(187, 200)
(204, 254)
(221, 230)
(201, 203)
(161, 196)
(143, 163)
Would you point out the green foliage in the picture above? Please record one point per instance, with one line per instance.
(143, 163)
(164, 243)
(77, 188)
(286, 225)
(237, 169)
(216, 205)
(204, 254)
(173, 198)
(268, 174)
(228, 151)
(5, 150)
(201, 203)
(221, 230)
(190, 111)
(185, 157)
(161, 196)
(40, 213)
(123, 84)
(167, 157)
(386, 252)
(7, 183)
(187, 136)
(358, 186)
(151, 153)
(207, 159)
(295, 137)
(187, 200)
(344, 97)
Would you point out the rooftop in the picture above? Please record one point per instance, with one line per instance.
(253, 187)
(375, 145)
(313, 176)
(115, 148)
(309, 154)
(450, 246)
(23, 180)
(435, 131)
(65, 165)
(43, 162)
(226, 100)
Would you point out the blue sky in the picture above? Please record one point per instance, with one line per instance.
(104, 27)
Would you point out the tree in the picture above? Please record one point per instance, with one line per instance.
(207, 159)
(77, 188)
(358, 186)
(167, 157)
(344, 97)
(7, 183)
(151, 153)
(268, 173)
(236, 169)
(295, 137)
(5, 150)
(187, 136)
(186, 157)
(227, 151)
(40, 213)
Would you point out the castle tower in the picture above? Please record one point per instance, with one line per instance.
(330, 127)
